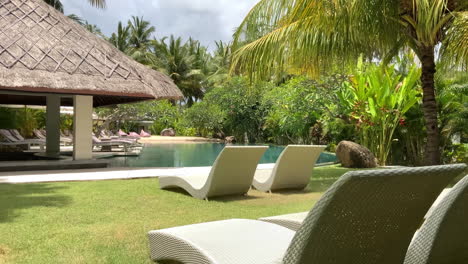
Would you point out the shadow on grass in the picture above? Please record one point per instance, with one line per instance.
(14, 197)
(225, 198)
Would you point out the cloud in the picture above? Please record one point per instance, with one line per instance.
(204, 20)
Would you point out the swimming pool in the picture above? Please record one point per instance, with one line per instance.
(191, 155)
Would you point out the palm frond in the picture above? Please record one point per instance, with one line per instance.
(454, 50)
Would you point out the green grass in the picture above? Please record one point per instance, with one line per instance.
(107, 221)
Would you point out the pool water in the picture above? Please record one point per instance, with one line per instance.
(191, 155)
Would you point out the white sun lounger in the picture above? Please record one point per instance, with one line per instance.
(366, 216)
(294, 221)
(292, 170)
(232, 173)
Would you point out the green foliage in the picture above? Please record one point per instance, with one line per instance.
(294, 110)
(242, 103)
(163, 113)
(377, 99)
(206, 118)
(185, 63)
(456, 153)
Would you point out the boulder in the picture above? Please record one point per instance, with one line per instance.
(353, 155)
(168, 132)
(230, 139)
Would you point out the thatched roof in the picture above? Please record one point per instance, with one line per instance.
(43, 51)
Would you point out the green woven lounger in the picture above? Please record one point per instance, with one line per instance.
(443, 238)
(365, 217)
(292, 169)
(232, 173)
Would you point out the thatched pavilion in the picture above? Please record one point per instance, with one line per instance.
(48, 59)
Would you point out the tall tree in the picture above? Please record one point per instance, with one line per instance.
(140, 32)
(120, 38)
(313, 34)
(179, 61)
(57, 4)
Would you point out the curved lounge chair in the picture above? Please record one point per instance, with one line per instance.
(232, 173)
(353, 222)
(294, 221)
(292, 169)
(443, 238)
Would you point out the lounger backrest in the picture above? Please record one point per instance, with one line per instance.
(8, 136)
(95, 139)
(17, 134)
(443, 238)
(233, 170)
(369, 216)
(294, 166)
(38, 134)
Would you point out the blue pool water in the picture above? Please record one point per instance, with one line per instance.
(191, 155)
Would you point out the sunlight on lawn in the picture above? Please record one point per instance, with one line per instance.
(107, 221)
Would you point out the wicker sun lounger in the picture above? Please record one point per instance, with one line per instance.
(294, 221)
(232, 173)
(443, 238)
(366, 216)
(292, 170)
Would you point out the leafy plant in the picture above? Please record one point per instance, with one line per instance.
(377, 99)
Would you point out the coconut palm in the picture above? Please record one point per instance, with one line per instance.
(120, 38)
(312, 35)
(94, 29)
(59, 6)
(140, 32)
(179, 61)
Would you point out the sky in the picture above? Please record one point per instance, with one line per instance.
(203, 20)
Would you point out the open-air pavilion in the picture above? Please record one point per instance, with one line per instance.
(48, 59)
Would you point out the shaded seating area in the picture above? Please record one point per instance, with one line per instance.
(360, 213)
(66, 65)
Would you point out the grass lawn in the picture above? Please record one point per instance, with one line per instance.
(107, 221)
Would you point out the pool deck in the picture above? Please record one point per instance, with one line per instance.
(102, 174)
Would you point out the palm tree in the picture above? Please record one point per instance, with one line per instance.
(59, 6)
(140, 32)
(94, 29)
(314, 34)
(55, 4)
(220, 63)
(121, 37)
(179, 62)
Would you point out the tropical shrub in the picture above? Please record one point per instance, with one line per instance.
(242, 103)
(377, 99)
(207, 119)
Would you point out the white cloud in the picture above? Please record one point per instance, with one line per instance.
(205, 20)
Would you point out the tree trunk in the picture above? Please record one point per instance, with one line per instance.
(432, 151)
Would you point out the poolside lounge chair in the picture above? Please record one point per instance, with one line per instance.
(143, 133)
(41, 135)
(108, 144)
(443, 238)
(134, 134)
(294, 221)
(13, 141)
(292, 169)
(232, 173)
(366, 216)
